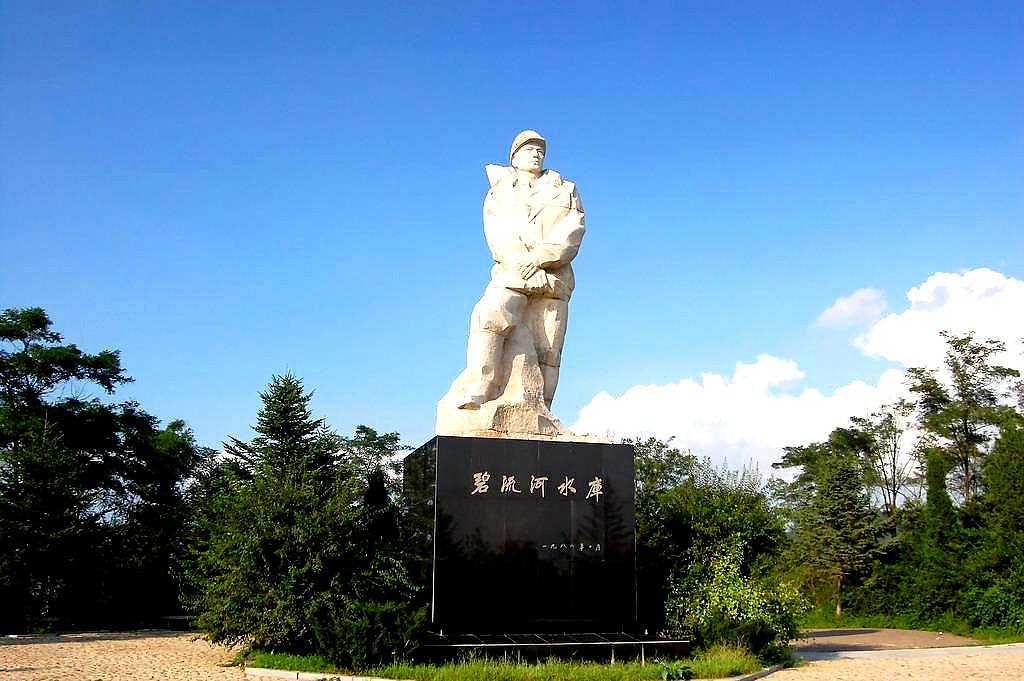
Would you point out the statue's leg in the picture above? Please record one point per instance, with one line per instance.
(494, 316)
(548, 322)
(483, 357)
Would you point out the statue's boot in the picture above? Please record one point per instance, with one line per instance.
(483, 357)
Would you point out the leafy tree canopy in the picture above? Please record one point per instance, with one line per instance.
(35, 363)
(90, 492)
(960, 410)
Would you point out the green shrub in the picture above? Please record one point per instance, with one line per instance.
(1000, 605)
(722, 605)
(676, 671)
(685, 506)
(359, 635)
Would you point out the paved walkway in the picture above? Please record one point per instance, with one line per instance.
(882, 654)
(972, 663)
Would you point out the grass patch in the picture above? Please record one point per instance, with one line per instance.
(825, 618)
(497, 670)
(997, 636)
(722, 660)
(289, 662)
(717, 662)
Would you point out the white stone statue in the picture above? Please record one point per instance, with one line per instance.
(533, 221)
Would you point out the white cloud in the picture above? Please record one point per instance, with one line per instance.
(862, 306)
(751, 415)
(981, 300)
(743, 419)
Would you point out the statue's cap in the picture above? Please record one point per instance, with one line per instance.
(524, 137)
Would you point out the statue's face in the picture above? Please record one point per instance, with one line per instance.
(529, 157)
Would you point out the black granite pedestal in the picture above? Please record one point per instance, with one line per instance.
(524, 537)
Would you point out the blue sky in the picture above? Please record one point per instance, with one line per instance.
(224, 191)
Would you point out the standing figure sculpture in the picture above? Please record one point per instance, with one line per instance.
(533, 222)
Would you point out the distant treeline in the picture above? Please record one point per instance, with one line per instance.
(929, 531)
(294, 541)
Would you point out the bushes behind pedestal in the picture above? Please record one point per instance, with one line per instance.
(708, 540)
(719, 604)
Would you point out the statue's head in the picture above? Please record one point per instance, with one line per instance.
(527, 152)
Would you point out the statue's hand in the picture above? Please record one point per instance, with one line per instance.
(527, 268)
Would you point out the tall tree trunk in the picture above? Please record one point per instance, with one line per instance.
(965, 472)
(839, 596)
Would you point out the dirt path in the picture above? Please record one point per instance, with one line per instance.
(126, 656)
(826, 640)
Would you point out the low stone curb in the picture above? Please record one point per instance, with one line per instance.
(755, 675)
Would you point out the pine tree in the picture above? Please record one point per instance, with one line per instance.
(290, 443)
(294, 549)
(839, 532)
(836, 536)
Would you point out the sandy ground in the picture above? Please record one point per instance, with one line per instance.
(882, 654)
(864, 655)
(129, 656)
(1000, 663)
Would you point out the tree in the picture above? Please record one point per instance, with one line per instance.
(934, 561)
(685, 508)
(960, 419)
(813, 462)
(150, 531)
(267, 543)
(706, 542)
(373, 453)
(838, 534)
(658, 468)
(997, 599)
(835, 535)
(935, 550)
(289, 442)
(1004, 475)
(294, 546)
(89, 491)
(888, 465)
(40, 364)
